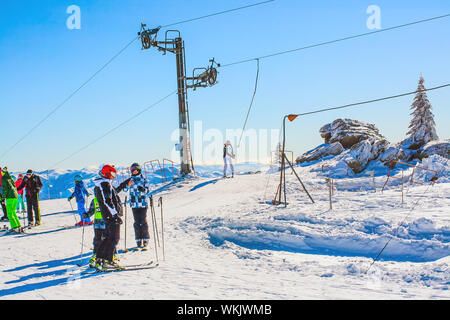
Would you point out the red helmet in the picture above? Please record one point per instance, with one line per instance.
(108, 171)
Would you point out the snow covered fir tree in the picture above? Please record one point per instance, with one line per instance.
(422, 126)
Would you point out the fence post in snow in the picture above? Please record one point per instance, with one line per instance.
(372, 174)
(402, 187)
(330, 191)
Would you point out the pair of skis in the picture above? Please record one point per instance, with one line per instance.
(154, 228)
(5, 232)
(135, 267)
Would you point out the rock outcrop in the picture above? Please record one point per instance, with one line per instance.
(439, 147)
(349, 132)
(354, 144)
(360, 154)
(322, 151)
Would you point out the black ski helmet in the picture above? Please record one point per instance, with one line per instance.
(135, 166)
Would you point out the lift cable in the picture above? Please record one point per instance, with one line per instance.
(70, 96)
(251, 103)
(371, 101)
(397, 229)
(113, 129)
(337, 40)
(217, 13)
(29, 132)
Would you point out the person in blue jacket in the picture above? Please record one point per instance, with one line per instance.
(79, 193)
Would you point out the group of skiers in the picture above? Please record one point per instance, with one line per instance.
(106, 206)
(12, 201)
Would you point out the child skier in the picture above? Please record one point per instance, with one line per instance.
(228, 154)
(111, 210)
(20, 201)
(138, 187)
(9, 192)
(79, 193)
(99, 228)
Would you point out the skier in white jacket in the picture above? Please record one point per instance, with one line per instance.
(228, 155)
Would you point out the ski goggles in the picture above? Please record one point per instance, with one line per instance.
(135, 168)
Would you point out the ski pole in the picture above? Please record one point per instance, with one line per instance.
(23, 211)
(82, 244)
(70, 201)
(125, 249)
(153, 224)
(160, 203)
(156, 226)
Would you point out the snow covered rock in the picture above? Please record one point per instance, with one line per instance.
(353, 142)
(349, 132)
(437, 163)
(439, 147)
(393, 153)
(359, 156)
(321, 151)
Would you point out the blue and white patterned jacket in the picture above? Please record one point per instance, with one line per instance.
(138, 191)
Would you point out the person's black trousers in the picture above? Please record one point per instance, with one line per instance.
(5, 213)
(33, 206)
(99, 236)
(107, 246)
(140, 224)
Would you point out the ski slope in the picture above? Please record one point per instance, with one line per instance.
(224, 240)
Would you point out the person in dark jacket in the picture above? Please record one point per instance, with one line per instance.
(111, 211)
(33, 185)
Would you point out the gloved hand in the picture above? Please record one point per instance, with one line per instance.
(69, 198)
(117, 220)
(142, 189)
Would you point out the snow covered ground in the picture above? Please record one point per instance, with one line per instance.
(224, 240)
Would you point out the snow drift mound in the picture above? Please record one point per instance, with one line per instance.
(417, 241)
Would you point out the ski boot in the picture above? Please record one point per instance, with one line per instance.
(111, 265)
(16, 230)
(99, 265)
(145, 245)
(92, 261)
(138, 245)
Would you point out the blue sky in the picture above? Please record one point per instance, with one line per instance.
(42, 62)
